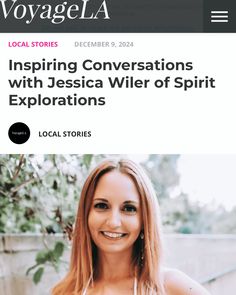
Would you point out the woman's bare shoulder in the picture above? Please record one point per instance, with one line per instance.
(178, 283)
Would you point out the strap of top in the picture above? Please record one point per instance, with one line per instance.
(135, 286)
(86, 288)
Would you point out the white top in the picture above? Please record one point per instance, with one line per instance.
(135, 288)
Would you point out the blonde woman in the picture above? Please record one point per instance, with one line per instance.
(117, 238)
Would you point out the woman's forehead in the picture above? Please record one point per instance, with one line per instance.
(118, 185)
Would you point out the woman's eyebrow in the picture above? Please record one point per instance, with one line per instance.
(131, 202)
(101, 199)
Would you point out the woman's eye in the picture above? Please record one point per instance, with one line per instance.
(130, 209)
(101, 206)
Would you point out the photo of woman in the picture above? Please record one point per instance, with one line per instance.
(117, 238)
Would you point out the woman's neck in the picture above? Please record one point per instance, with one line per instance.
(114, 267)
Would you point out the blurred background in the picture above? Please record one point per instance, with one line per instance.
(39, 195)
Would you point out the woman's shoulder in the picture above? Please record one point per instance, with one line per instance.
(178, 283)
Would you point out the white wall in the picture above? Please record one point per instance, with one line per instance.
(202, 257)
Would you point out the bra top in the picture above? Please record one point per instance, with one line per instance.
(135, 288)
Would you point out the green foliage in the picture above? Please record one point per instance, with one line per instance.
(179, 214)
(38, 275)
(58, 250)
(51, 256)
(163, 173)
(39, 193)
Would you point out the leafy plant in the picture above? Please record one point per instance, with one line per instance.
(44, 257)
(39, 194)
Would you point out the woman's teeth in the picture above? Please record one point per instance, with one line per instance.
(113, 235)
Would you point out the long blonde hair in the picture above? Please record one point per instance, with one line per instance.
(83, 262)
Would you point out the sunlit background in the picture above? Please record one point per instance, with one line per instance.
(207, 179)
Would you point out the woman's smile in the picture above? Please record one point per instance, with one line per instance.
(113, 235)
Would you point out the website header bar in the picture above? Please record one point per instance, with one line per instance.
(112, 16)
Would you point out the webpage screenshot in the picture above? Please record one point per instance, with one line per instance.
(141, 86)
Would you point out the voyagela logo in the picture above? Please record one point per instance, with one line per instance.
(28, 13)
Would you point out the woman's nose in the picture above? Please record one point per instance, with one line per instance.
(114, 219)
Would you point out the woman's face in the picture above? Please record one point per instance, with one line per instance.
(115, 218)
